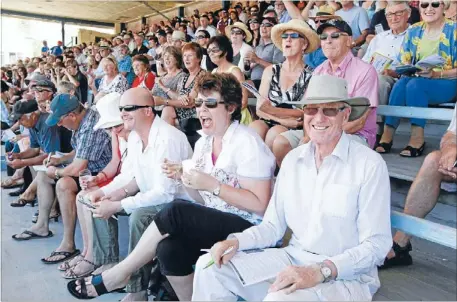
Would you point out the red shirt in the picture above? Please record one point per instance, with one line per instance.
(150, 79)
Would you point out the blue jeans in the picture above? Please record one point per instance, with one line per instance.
(9, 146)
(420, 92)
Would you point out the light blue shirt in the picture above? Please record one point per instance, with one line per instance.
(4, 113)
(284, 18)
(357, 18)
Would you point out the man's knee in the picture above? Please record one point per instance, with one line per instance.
(66, 184)
(42, 178)
(280, 144)
(432, 161)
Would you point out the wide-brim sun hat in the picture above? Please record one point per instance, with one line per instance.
(300, 27)
(108, 108)
(243, 27)
(324, 89)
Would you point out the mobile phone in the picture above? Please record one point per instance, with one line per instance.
(82, 200)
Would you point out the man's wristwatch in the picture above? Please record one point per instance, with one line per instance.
(217, 191)
(56, 174)
(326, 272)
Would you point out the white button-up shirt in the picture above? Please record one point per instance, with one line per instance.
(165, 141)
(386, 44)
(244, 155)
(340, 213)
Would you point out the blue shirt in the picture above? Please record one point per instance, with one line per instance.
(357, 18)
(44, 49)
(4, 113)
(314, 58)
(284, 18)
(125, 65)
(44, 137)
(56, 50)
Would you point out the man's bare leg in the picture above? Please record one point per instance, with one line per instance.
(182, 285)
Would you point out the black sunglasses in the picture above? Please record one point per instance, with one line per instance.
(201, 37)
(334, 35)
(436, 4)
(130, 108)
(292, 36)
(329, 112)
(209, 103)
(266, 24)
(236, 32)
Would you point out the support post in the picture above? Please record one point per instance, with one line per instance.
(63, 32)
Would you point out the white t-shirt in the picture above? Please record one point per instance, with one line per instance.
(453, 125)
(244, 155)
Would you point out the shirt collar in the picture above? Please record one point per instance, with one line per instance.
(228, 133)
(341, 149)
(400, 34)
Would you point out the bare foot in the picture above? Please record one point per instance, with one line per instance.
(83, 268)
(111, 279)
(103, 268)
(139, 296)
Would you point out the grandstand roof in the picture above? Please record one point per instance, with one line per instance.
(110, 11)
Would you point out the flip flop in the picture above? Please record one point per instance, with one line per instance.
(12, 183)
(67, 255)
(32, 236)
(97, 283)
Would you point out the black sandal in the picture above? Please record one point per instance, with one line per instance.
(21, 202)
(385, 146)
(401, 258)
(413, 152)
(67, 255)
(97, 283)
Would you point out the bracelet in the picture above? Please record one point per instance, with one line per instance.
(126, 192)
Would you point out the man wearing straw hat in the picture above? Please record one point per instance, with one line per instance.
(334, 195)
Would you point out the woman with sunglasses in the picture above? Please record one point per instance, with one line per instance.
(285, 82)
(239, 36)
(254, 28)
(112, 81)
(220, 52)
(435, 35)
(231, 178)
(93, 188)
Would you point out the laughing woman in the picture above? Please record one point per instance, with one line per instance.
(232, 179)
(435, 35)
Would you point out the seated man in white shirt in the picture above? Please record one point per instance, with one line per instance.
(423, 195)
(334, 195)
(143, 192)
(388, 44)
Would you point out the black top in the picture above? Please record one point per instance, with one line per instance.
(81, 90)
(380, 18)
(143, 49)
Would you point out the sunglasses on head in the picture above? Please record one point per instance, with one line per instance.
(334, 35)
(427, 4)
(292, 36)
(209, 103)
(130, 108)
(266, 24)
(328, 112)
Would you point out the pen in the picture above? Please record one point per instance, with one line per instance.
(49, 157)
(227, 251)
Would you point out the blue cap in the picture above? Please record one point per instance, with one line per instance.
(61, 105)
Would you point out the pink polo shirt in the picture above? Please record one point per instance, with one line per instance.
(362, 82)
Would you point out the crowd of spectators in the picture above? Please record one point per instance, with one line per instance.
(113, 125)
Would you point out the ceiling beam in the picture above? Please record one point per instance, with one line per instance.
(55, 18)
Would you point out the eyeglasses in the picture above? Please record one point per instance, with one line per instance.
(292, 36)
(209, 103)
(213, 50)
(436, 4)
(266, 25)
(130, 108)
(334, 35)
(236, 32)
(396, 14)
(37, 89)
(328, 112)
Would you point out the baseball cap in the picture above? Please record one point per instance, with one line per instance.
(62, 104)
(21, 108)
(338, 24)
(161, 32)
(45, 85)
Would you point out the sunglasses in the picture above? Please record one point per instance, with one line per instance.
(213, 50)
(328, 112)
(334, 35)
(266, 25)
(292, 36)
(130, 108)
(436, 4)
(37, 89)
(201, 37)
(236, 32)
(209, 103)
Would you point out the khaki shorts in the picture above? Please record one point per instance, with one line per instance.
(294, 137)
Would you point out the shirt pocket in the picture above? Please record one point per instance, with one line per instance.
(340, 200)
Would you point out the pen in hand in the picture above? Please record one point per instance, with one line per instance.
(48, 159)
(227, 251)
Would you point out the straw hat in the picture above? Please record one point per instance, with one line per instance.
(239, 25)
(324, 89)
(325, 12)
(108, 108)
(299, 26)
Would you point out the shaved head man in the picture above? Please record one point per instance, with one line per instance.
(141, 189)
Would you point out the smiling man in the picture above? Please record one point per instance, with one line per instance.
(334, 195)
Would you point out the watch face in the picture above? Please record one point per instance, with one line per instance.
(326, 271)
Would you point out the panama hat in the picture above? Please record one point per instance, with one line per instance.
(108, 108)
(241, 26)
(324, 89)
(299, 26)
(326, 12)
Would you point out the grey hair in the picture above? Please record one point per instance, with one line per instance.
(393, 3)
(446, 4)
(65, 87)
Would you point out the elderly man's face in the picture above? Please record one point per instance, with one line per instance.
(324, 122)
(397, 16)
(335, 48)
(138, 41)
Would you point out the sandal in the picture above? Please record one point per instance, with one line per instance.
(97, 283)
(66, 265)
(32, 235)
(11, 183)
(55, 217)
(385, 146)
(21, 202)
(67, 255)
(413, 152)
(70, 273)
(401, 258)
